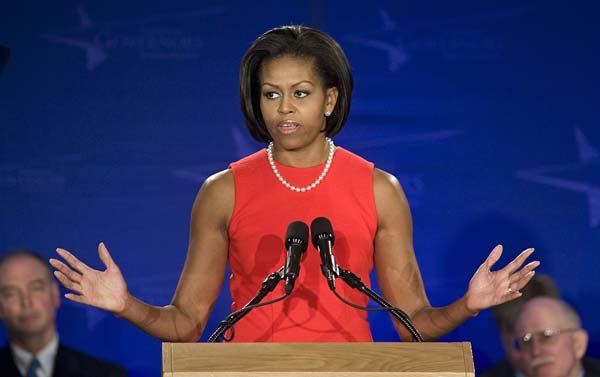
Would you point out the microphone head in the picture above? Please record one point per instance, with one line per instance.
(297, 233)
(321, 228)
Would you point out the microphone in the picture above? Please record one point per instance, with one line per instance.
(296, 242)
(323, 240)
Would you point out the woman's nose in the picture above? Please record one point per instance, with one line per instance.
(286, 105)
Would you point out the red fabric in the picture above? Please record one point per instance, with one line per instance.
(263, 209)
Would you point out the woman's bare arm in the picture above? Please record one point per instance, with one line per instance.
(199, 284)
(400, 278)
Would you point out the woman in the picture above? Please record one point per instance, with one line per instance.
(295, 88)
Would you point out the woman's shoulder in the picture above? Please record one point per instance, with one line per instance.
(217, 190)
(249, 160)
(215, 198)
(383, 182)
(351, 156)
(219, 182)
(382, 177)
(387, 186)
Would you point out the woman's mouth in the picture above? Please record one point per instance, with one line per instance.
(287, 127)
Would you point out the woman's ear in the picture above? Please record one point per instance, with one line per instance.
(331, 96)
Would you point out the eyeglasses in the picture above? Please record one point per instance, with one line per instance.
(544, 337)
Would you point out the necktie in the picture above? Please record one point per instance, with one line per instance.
(32, 368)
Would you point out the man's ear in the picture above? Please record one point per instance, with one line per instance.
(580, 342)
(55, 294)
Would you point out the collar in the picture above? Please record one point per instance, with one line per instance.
(46, 358)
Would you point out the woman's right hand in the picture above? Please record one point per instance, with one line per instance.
(103, 289)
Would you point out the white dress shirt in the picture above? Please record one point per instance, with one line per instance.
(46, 358)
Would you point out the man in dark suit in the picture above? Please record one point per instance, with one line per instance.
(504, 369)
(29, 300)
(506, 315)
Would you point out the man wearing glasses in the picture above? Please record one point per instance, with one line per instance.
(29, 300)
(505, 314)
(550, 340)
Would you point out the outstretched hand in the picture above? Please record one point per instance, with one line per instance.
(489, 288)
(103, 289)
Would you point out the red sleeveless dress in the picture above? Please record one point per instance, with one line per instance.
(262, 211)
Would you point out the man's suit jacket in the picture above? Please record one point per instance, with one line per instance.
(503, 369)
(68, 363)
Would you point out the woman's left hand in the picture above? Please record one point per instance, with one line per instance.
(489, 288)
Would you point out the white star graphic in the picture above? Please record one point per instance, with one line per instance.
(555, 176)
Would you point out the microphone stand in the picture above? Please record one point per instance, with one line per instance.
(267, 286)
(354, 281)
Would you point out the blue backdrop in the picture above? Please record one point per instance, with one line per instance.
(112, 114)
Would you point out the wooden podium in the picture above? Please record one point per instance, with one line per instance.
(317, 359)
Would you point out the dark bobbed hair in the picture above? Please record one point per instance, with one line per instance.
(329, 61)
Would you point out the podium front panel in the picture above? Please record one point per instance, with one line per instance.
(317, 359)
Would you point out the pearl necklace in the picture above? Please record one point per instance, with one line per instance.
(312, 185)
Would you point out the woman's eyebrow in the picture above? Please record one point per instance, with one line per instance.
(293, 85)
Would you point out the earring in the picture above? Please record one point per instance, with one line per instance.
(327, 113)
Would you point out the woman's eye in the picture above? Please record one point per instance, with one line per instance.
(301, 93)
(271, 95)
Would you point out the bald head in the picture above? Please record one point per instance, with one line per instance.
(558, 311)
(551, 340)
(27, 254)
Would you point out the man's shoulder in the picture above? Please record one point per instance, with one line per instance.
(69, 360)
(501, 369)
(7, 364)
(591, 366)
(4, 350)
